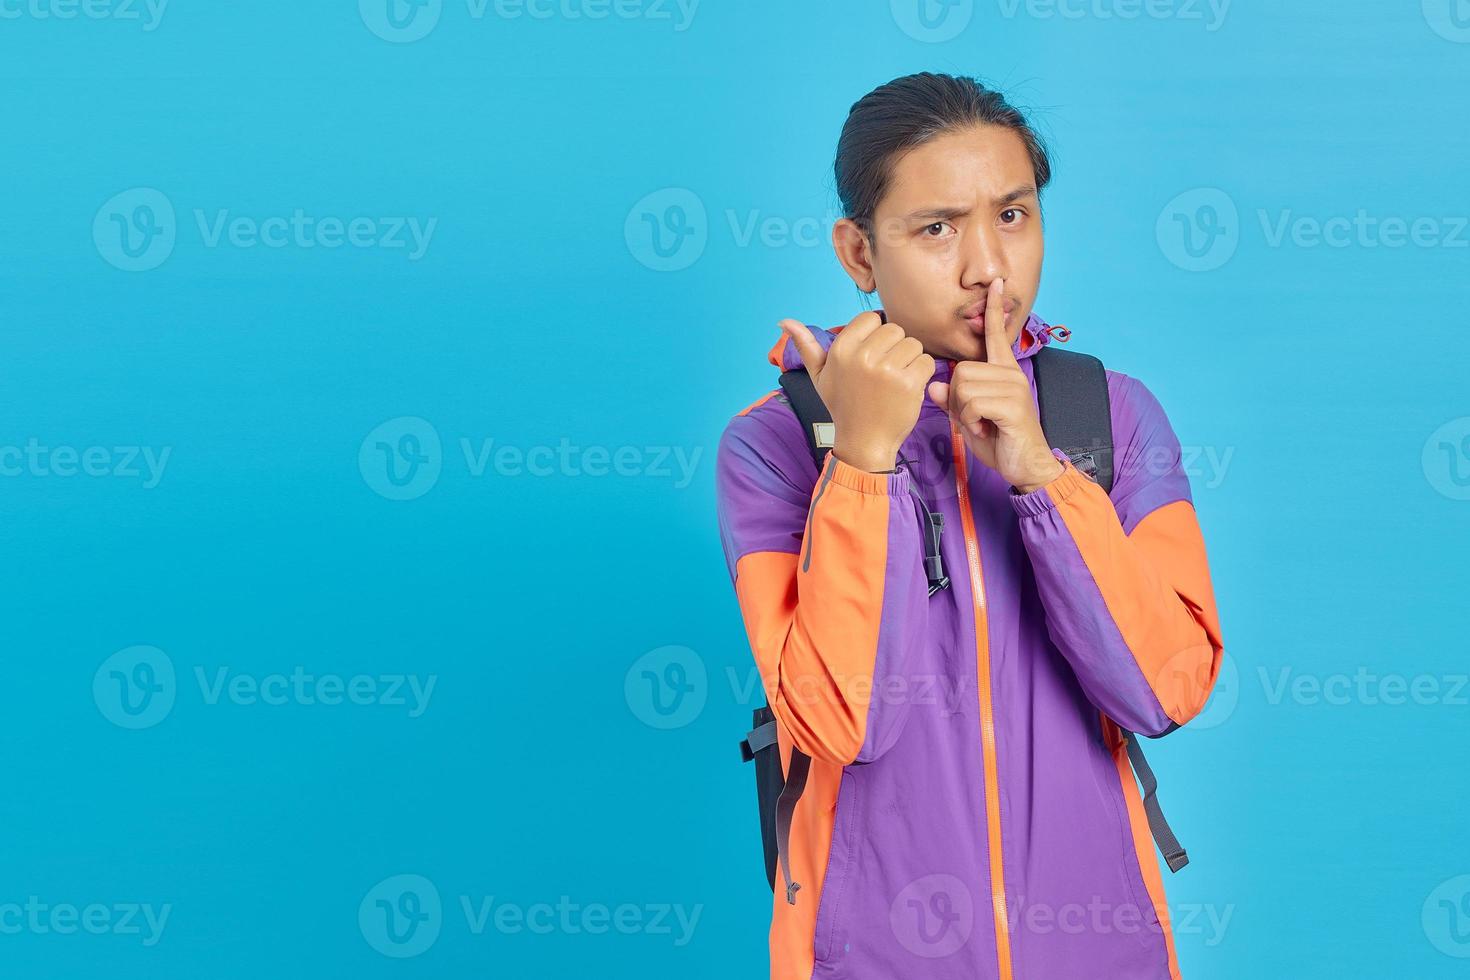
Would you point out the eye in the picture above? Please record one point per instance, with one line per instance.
(937, 224)
(1013, 211)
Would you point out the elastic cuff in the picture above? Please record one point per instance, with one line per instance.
(1045, 498)
(862, 481)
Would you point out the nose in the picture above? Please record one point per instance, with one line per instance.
(982, 255)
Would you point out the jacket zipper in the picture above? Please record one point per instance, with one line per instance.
(987, 716)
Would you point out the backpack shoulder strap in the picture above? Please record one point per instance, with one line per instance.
(1072, 396)
(811, 412)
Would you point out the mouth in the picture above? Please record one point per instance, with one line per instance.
(975, 315)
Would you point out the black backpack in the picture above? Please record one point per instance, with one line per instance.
(1072, 396)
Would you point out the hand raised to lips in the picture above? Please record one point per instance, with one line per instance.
(990, 403)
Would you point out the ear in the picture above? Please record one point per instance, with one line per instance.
(854, 251)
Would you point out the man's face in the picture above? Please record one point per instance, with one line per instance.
(960, 211)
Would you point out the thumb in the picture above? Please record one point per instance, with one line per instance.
(939, 394)
(812, 354)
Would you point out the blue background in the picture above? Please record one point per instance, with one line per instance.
(1329, 379)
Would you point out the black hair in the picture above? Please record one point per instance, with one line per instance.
(908, 112)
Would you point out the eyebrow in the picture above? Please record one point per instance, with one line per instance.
(944, 214)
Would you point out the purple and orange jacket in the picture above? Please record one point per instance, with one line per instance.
(970, 811)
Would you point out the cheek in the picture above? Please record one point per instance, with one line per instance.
(1030, 249)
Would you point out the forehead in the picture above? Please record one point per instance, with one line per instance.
(964, 166)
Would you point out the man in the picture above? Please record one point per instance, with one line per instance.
(969, 809)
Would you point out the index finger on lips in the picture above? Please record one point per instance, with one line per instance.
(997, 344)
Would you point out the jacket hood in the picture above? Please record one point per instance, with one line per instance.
(1035, 334)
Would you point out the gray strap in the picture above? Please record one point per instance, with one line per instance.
(1168, 844)
(1072, 398)
(801, 392)
(758, 739)
(785, 807)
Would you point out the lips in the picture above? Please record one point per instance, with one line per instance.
(977, 320)
(975, 312)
